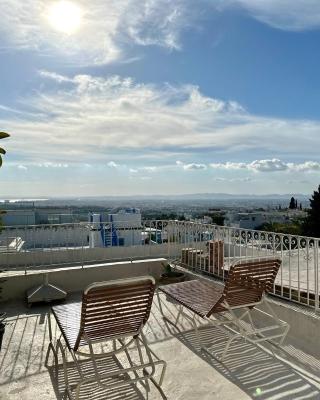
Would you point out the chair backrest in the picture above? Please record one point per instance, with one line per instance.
(116, 308)
(247, 281)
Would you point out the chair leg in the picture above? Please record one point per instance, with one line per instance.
(281, 323)
(51, 347)
(64, 364)
(142, 362)
(150, 353)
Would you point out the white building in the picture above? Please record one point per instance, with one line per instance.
(123, 228)
(37, 216)
(254, 219)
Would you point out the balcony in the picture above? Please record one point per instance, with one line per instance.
(65, 255)
(30, 248)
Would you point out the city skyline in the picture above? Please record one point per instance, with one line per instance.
(155, 97)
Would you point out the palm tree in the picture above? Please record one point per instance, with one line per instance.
(3, 135)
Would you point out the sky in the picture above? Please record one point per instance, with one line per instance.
(127, 97)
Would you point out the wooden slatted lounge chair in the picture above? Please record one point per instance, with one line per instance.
(114, 311)
(246, 285)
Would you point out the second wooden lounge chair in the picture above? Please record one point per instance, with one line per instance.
(246, 285)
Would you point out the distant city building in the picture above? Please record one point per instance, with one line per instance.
(254, 219)
(123, 228)
(36, 217)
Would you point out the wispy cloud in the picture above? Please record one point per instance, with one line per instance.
(281, 14)
(107, 27)
(86, 119)
(110, 28)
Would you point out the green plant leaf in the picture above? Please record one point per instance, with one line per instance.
(2, 151)
(4, 135)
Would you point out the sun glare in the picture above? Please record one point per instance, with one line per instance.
(65, 16)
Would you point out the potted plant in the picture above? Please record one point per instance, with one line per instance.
(170, 275)
(3, 135)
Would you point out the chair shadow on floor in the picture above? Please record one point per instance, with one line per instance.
(255, 371)
(92, 390)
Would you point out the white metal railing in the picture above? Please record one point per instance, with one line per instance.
(208, 249)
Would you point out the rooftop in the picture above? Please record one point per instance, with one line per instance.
(248, 371)
(203, 251)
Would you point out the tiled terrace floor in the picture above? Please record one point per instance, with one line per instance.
(247, 373)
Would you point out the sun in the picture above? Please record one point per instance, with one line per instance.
(65, 16)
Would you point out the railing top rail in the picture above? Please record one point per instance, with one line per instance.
(158, 223)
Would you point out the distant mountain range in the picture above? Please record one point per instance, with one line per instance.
(202, 196)
(190, 196)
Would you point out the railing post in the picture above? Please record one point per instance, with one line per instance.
(316, 274)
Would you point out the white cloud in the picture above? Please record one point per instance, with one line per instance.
(308, 166)
(294, 15)
(54, 76)
(50, 164)
(107, 27)
(273, 165)
(23, 167)
(149, 169)
(110, 28)
(94, 118)
(229, 165)
(112, 164)
(191, 166)
(232, 180)
(268, 165)
(194, 166)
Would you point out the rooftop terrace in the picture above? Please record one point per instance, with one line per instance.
(248, 372)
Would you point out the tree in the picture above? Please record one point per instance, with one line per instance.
(217, 219)
(292, 204)
(3, 135)
(311, 226)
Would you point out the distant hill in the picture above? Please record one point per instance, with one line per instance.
(204, 196)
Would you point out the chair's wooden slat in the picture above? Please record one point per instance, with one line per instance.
(247, 281)
(106, 312)
(115, 310)
(245, 284)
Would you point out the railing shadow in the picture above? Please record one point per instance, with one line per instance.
(256, 372)
(22, 358)
(24, 344)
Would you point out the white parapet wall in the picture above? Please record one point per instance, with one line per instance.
(75, 279)
(55, 257)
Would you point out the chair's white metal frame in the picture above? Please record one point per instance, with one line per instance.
(147, 366)
(236, 325)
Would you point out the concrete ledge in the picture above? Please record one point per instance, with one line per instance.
(75, 279)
